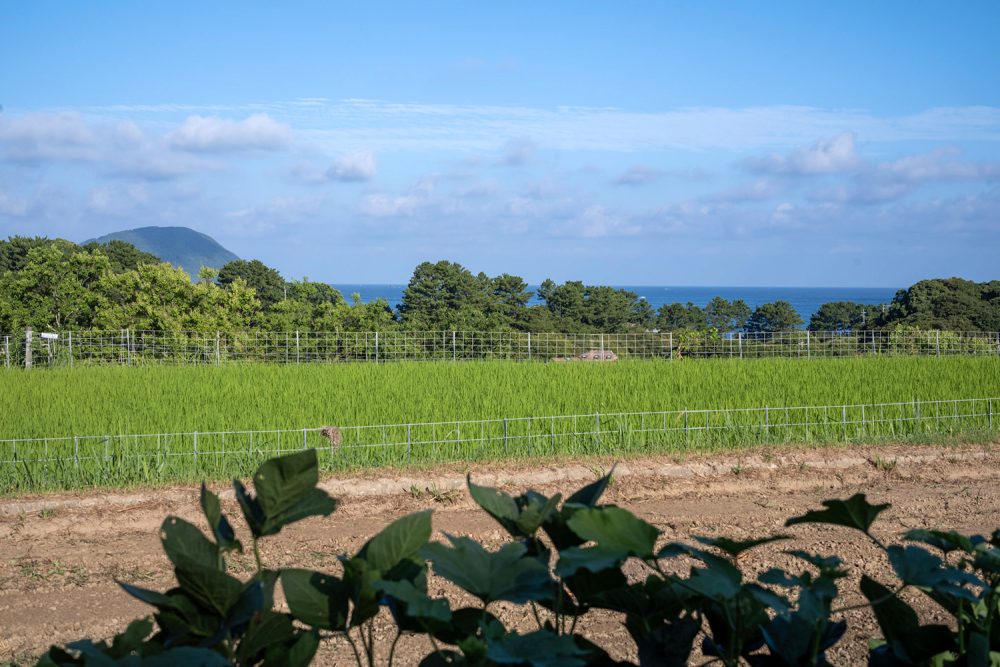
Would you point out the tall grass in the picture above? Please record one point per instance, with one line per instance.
(117, 400)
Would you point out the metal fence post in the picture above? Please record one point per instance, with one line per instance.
(27, 348)
(767, 423)
(602, 347)
(409, 445)
(506, 444)
(597, 427)
(218, 356)
(76, 451)
(6, 351)
(196, 448)
(296, 346)
(529, 346)
(670, 345)
(71, 348)
(739, 338)
(938, 345)
(843, 419)
(808, 346)
(989, 412)
(453, 354)
(376, 347)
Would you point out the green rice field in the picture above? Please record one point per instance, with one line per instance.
(159, 401)
(165, 399)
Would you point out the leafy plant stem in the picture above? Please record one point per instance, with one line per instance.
(256, 557)
(392, 649)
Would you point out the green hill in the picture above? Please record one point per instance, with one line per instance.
(178, 245)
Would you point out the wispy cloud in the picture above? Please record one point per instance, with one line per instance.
(212, 134)
(353, 167)
(827, 156)
(639, 175)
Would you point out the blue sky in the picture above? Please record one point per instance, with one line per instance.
(722, 143)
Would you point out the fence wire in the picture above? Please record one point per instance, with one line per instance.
(80, 461)
(130, 347)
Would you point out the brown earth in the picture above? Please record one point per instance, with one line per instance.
(60, 554)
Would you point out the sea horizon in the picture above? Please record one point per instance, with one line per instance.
(805, 300)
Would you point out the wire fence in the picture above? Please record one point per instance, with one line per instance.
(130, 347)
(110, 460)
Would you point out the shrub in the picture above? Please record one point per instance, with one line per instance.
(564, 559)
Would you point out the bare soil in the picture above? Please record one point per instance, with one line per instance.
(61, 554)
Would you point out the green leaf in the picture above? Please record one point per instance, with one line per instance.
(918, 567)
(286, 492)
(360, 578)
(303, 651)
(217, 521)
(317, 599)
(946, 541)
(618, 533)
(253, 513)
(855, 512)
(590, 494)
(399, 540)
(418, 605)
(494, 502)
(541, 648)
(184, 544)
(209, 587)
(905, 637)
(508, 574)
(265, 630)
(735, 547)
(720, 581)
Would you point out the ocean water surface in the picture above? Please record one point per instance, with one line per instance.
(805, 300)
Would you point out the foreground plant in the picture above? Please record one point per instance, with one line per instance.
(564, 559)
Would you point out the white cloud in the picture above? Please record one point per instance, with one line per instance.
(39, 137)
(353, 167)
(827, 156)
(639, 175)
(518, 152)
(210, 134)
(119, 200)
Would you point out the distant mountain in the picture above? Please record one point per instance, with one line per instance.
(178, 245)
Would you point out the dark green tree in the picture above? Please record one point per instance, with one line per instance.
(725, 315)
(951, 304)
(123, 255)
(841, 316)
(777, 316)
(678, 317)
(442, 296)
(14, 251)
(265, 281)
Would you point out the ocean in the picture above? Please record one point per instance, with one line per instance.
(805, 300)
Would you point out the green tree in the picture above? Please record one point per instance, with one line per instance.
(14, 251)
(951, 304)
(445, 296)
(725, 315)
(266, 282)
(777, 316)
(123, 256)
(680, 317)
(52, 289)
(840, 316)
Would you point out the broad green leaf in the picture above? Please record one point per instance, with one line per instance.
(720, 581)
(946, 541)
(131, 640)
(267, 629)
(360, 578)
(904, 636)
(209, 587)
(535, 510)
(154, 598)
(317, 599)
(184, 544)
(399, 540)
(465, 622)
(918, 567)
(541, 648)
(419, 606)
(855, 512)
(217, 521)
(591, 493)
(286, 491)
(494, 502)
(618, 533)
(735, 547)
(507, 574)
(303, 651)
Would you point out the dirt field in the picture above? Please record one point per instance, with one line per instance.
(60, 554)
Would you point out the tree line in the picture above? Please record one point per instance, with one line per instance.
(57, 284)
